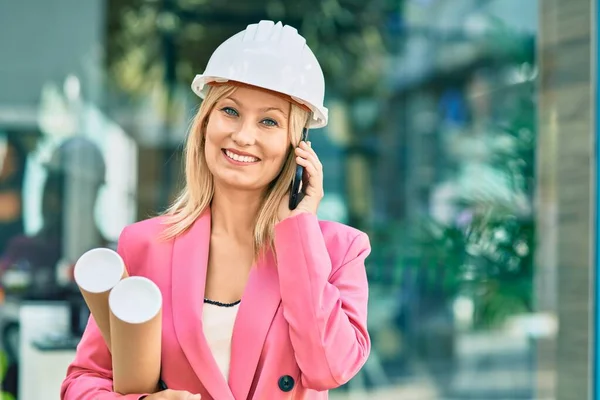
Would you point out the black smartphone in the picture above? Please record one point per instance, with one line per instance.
(296, 193)
(162, 385)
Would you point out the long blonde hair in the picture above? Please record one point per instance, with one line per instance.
(198, 192)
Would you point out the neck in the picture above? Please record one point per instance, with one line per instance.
(233, 213)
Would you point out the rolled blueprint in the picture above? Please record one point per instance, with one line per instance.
(135, 305)
(96, 272)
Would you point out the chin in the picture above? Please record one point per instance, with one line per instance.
(238, 183)
(243, 179)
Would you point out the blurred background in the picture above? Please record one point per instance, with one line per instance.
(461, 138)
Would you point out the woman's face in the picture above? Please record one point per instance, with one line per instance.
(247, 139)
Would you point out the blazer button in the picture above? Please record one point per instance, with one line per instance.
(286, 383)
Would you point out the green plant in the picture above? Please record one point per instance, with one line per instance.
(487, 251)
(489, 260)
(3, 370)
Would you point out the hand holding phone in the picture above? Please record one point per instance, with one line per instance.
(306, 191)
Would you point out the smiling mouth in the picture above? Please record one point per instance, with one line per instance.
(240, 158)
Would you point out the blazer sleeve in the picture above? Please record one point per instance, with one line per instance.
(89, 376)
(324, 305)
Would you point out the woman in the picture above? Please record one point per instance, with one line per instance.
(285, 296)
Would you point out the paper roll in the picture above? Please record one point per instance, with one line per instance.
(136, 330)
(96, 272)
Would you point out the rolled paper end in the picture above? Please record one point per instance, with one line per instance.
(96, 273)
(99, 270)
(135, 305)
(135, 300)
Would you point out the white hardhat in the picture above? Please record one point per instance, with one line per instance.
(270, 56)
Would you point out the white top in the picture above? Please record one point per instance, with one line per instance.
(217, 322)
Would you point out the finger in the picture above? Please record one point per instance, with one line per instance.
(306, 157)
(305, 179)
(313, 182)
(311, 157)
(306, 146)
(310, 169)
(180, 394)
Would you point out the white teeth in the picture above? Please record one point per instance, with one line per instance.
(237, 157)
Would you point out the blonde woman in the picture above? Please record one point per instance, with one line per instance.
(261, 300)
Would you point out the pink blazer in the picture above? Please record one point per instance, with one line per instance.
(301, 328)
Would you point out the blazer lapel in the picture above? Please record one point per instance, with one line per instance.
(190, 261)
(259, 304)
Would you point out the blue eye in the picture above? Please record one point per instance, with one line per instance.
(230, 111)
(269, 122)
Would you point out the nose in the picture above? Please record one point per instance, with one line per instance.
(245, 135)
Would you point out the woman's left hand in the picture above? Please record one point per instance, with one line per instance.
(312, 183)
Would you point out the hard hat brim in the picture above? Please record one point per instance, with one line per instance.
(202, 83)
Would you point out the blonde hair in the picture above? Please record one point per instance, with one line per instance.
(198, 192)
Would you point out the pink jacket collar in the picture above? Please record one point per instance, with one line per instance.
(189, 266)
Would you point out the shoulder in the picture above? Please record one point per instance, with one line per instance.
(139, 235)
(143, 246)
(342, 242)
(145, 228)
(338, 230)
(351, 241)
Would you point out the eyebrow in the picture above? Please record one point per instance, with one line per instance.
(272, 109)
(261, 110)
